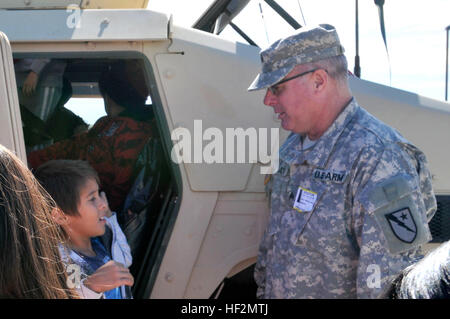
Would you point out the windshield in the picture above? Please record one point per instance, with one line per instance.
(414, 30)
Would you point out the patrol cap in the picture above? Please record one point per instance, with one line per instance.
(306, 45)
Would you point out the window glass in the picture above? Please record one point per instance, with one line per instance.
(89, 109)
(60, 98)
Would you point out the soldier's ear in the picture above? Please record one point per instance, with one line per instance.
(320, 78)
(59, 217)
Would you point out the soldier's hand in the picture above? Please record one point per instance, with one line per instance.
(109, 276)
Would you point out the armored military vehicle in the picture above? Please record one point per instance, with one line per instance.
(202, 227)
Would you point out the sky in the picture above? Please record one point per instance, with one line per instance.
(415, 31)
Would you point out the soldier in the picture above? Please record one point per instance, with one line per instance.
(351, 201)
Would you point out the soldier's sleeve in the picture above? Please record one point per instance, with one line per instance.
(260, 267)
(265, 244)
(393, 201)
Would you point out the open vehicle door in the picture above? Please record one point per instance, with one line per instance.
(10, 121)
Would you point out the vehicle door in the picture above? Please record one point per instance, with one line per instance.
(10, 121)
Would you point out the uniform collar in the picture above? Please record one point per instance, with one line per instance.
(291, 152)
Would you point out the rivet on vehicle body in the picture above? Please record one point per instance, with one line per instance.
(169, 74)
(169, 277)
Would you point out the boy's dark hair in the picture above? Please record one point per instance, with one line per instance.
(63, 180)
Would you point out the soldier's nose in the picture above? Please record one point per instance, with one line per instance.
(270, 99)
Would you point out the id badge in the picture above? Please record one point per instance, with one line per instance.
(304, 200)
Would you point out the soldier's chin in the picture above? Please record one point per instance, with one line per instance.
(285, 124)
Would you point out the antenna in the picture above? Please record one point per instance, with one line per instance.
(446, 67)
(301, 11)
(264, 21)
(379, 4)
(357, 68)
(286, 16)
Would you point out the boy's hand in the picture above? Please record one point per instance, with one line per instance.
(109, 276)
(108, 211)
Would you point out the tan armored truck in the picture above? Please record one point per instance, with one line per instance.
(201, 230)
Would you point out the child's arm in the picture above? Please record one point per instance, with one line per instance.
(87, 293)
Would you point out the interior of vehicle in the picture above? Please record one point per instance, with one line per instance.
(65, 101)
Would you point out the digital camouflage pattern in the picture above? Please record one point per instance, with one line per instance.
(338, 249)
(111, 146)
(306, 45)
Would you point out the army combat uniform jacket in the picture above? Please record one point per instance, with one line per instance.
(347, 214)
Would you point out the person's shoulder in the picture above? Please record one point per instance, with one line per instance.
(116, 122)
(373, 132)
(102, 121)
(132, 127)
(380, 145)
(131, 122)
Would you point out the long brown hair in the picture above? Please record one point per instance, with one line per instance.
(30, 264)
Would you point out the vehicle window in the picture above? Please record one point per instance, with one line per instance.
(60, 98)
(89, 109)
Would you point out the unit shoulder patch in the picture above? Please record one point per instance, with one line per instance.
(399, 211)
(403, 225)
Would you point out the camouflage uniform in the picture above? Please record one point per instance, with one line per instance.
(276, 66)
(336, 249)
(348, 213)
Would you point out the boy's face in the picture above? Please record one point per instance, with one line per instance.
(92, 209)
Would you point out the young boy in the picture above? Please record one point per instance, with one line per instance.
(101, 252)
